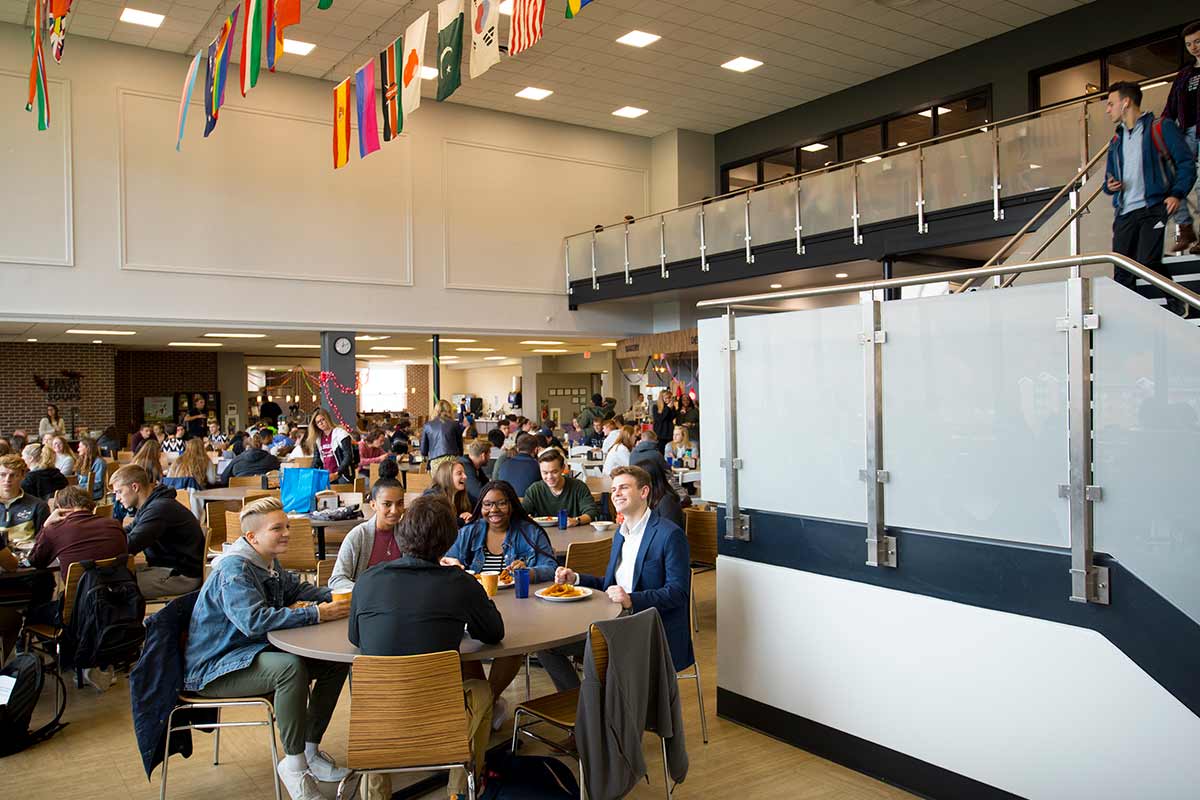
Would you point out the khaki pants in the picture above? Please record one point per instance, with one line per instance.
(478, 697)
(157, 582)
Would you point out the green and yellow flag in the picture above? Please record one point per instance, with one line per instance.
(450, 36)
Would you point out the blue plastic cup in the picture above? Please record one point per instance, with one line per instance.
(521, 585)
(562, 519)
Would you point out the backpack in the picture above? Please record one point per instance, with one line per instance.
(1165, 162)
(512, 777)
(25, 670)
(106, 627)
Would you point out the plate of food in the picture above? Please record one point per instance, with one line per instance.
(602, 525)
(547, 522)
(564, 593)
(506, 578)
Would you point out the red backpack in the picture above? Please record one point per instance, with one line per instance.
(1165, 161)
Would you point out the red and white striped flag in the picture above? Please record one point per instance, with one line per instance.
(526, 28)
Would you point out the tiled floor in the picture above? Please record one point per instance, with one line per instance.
(96, 756)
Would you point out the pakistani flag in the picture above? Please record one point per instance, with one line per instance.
(450, 35)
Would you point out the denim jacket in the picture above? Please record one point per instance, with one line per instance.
(243, 599)
(525, 541)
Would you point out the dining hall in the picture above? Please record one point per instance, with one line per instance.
(533, 399)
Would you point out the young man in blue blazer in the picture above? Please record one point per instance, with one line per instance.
(649, 568)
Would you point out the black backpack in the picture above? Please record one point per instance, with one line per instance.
(106, 627)
(512, 777)
(25, 669)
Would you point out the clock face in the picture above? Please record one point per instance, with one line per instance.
(342, 345)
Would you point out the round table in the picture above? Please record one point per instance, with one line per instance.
(237, 493)
(321, 527)
(529, 625)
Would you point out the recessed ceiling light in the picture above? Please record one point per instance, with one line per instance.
(444, 340)
(1035, 166)
(370, 356)
(198, 344)
(629, 112)
(929, 111)
(539, 341)
(534, 93)
(815, 147)
(142, 18)
(429, 73)
(235, 335)
(842, 275)
(742, 64)
(392, 347)
(549, 351)
(298, 346)
(608, 344)
(362, 337)
(97, 341)
(100, 333)
(872, 159)
(31, 340)
(776, 285)
(297, 47)
(494, 358)
(475, 349)
(505, 7)
(638, 38)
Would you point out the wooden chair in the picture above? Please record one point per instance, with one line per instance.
(184, 498)
(701, 530)
(218, 525)
(407, 715)
(417, 482)
(372, 474)
(589, 558)
(324, 570)
(233, 526)
(103, 510)
(301, 554)
(359, 485)
(246, 482)
(124, 456)
(252, 496)
(694, 675)
(272, 479)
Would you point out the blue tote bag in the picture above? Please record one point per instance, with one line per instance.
(297, 487)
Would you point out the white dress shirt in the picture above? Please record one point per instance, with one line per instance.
(633, 533)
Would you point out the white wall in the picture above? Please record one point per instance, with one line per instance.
(1043, 710)
(467, 210)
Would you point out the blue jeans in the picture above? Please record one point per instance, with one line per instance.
(1184, 216)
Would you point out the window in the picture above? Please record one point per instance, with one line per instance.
(1069, 83)
(779, 165)
(818, 154)
(862, 142)
(909, 129)
(384, 387)
(742, 177)
(1158, 54)
(1144, 61)
(969, 112)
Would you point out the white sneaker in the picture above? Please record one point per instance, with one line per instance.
(324, 769)
(299, 785)
(99, 679)
(500, 713)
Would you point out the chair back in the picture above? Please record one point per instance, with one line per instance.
(701, 535)
(417, 481)
(71, 588)
(359, 485)
(246, 482)
(124, 456)
(184, 498)
(218, 525)
(255, 495)
(373, 473)
(325, 570)
(589, 558)
(407, 711)
(272, 479)
(599, 652)
(233, 526)
(599, 484)
(103, 510)
(301, 552)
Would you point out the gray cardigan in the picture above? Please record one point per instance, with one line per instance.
(353, 556)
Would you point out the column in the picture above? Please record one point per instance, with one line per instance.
(337, 357)
(435, 375)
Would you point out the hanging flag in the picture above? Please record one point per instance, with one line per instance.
(389, 72)
(58, 27)
(485, 40)
(414, 59)
(219, 50)
(450, 36)
(364, 102)
(574, 6)
(37, 69)
(280, 14)
(341, 124)
(252, 36)
(188, 84)
(324, 4)
(526, 30)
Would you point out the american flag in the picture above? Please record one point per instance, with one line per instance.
(527, 19)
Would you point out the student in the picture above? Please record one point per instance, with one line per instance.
(1142, 195)
(439, 603)
(593, 413)
(270, 410)
(612, 432)
(22, 513)
(90, 462)
(520, 470)
(175, 442)
(43, 478)
(165, 530)
(197, 420)
(149, 457)
(160, 433)
(649, 568)
(254, 460)
(1183, 108)
(618, 456)
(450, 481)
(595, 434)
(689, 417)
(52, 423)
(680, 443)
(663, 415)
(332, 447)
(664, 495)
(441, 438)
(108, 443)
(144, 434)
(64, 462)
(476, 458)
(247, 596)
(371, 449)
(557, 491)
(374, 541)
(216, 440)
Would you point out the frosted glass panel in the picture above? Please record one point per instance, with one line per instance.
(711, 364)
(610, 250)
(975, 414)
(581, 257)
(826, 201)
(683, 235)
(887, 188)
(958, 172)
(644, 243)
(773, 214)
(725, 225)
(1146, 365)
(1040, 152)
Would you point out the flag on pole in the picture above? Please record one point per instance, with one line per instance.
(389, 74)
(574, 7)
(252, 36)
(324, 4)
(526, 30)
(280, 14)
(364, 102)
(414, 59)
(485, 37)
(58, 27)
(219, 50)
(341, 124)
(37, 69)
(450, 36)
(189, 83)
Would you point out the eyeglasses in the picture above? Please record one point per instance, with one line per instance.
(497, 505)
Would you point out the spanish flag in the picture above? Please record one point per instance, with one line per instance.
(341, 124)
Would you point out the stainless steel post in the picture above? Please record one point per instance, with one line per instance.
(799, 227)
(922, 227)
(1073, 199)
(595, 283)
(567, 263)
(628, 279)
(856, 238)
(997, 212)
(737, 525)
(703, 245)
(662, 247)
(881, 548)
(749, 255)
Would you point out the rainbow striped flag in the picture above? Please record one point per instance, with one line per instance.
(393, 117)
(575, 6)
(189, 83)
(280, 14)
(252, 36)
(364, 101)
(218, 69)
(341, 124)
(37, 70)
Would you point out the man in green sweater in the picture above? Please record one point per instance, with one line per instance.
(557, 490)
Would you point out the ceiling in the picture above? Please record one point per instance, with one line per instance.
(809, 49)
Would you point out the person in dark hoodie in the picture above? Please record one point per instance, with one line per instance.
(521, 470)
(43, 478)
(1183, 108)
(256, 459)
(165, 530)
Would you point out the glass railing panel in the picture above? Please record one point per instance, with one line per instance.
(580, 249)
(826, 202)
(1146, 384)
(958, 172)
(683, 234)
(975, 414)
(610, 250)
(644, 243)
(1041, 152)
(887, 188)
(725, 225)
(773, 214)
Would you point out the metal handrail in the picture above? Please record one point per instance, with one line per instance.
(881, 154)
(1150, 276)
(1007, 282)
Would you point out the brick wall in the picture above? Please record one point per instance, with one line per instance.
(419, 401)
(23, 404)
(152, 373)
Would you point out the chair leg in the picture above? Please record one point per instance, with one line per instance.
(700, 700)
(528, 691)
(666, 771)
(274, 754)
(217, 741)
(582, 787)
(470, 781)
(695, 612)
(516, 730)
(162, 789)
